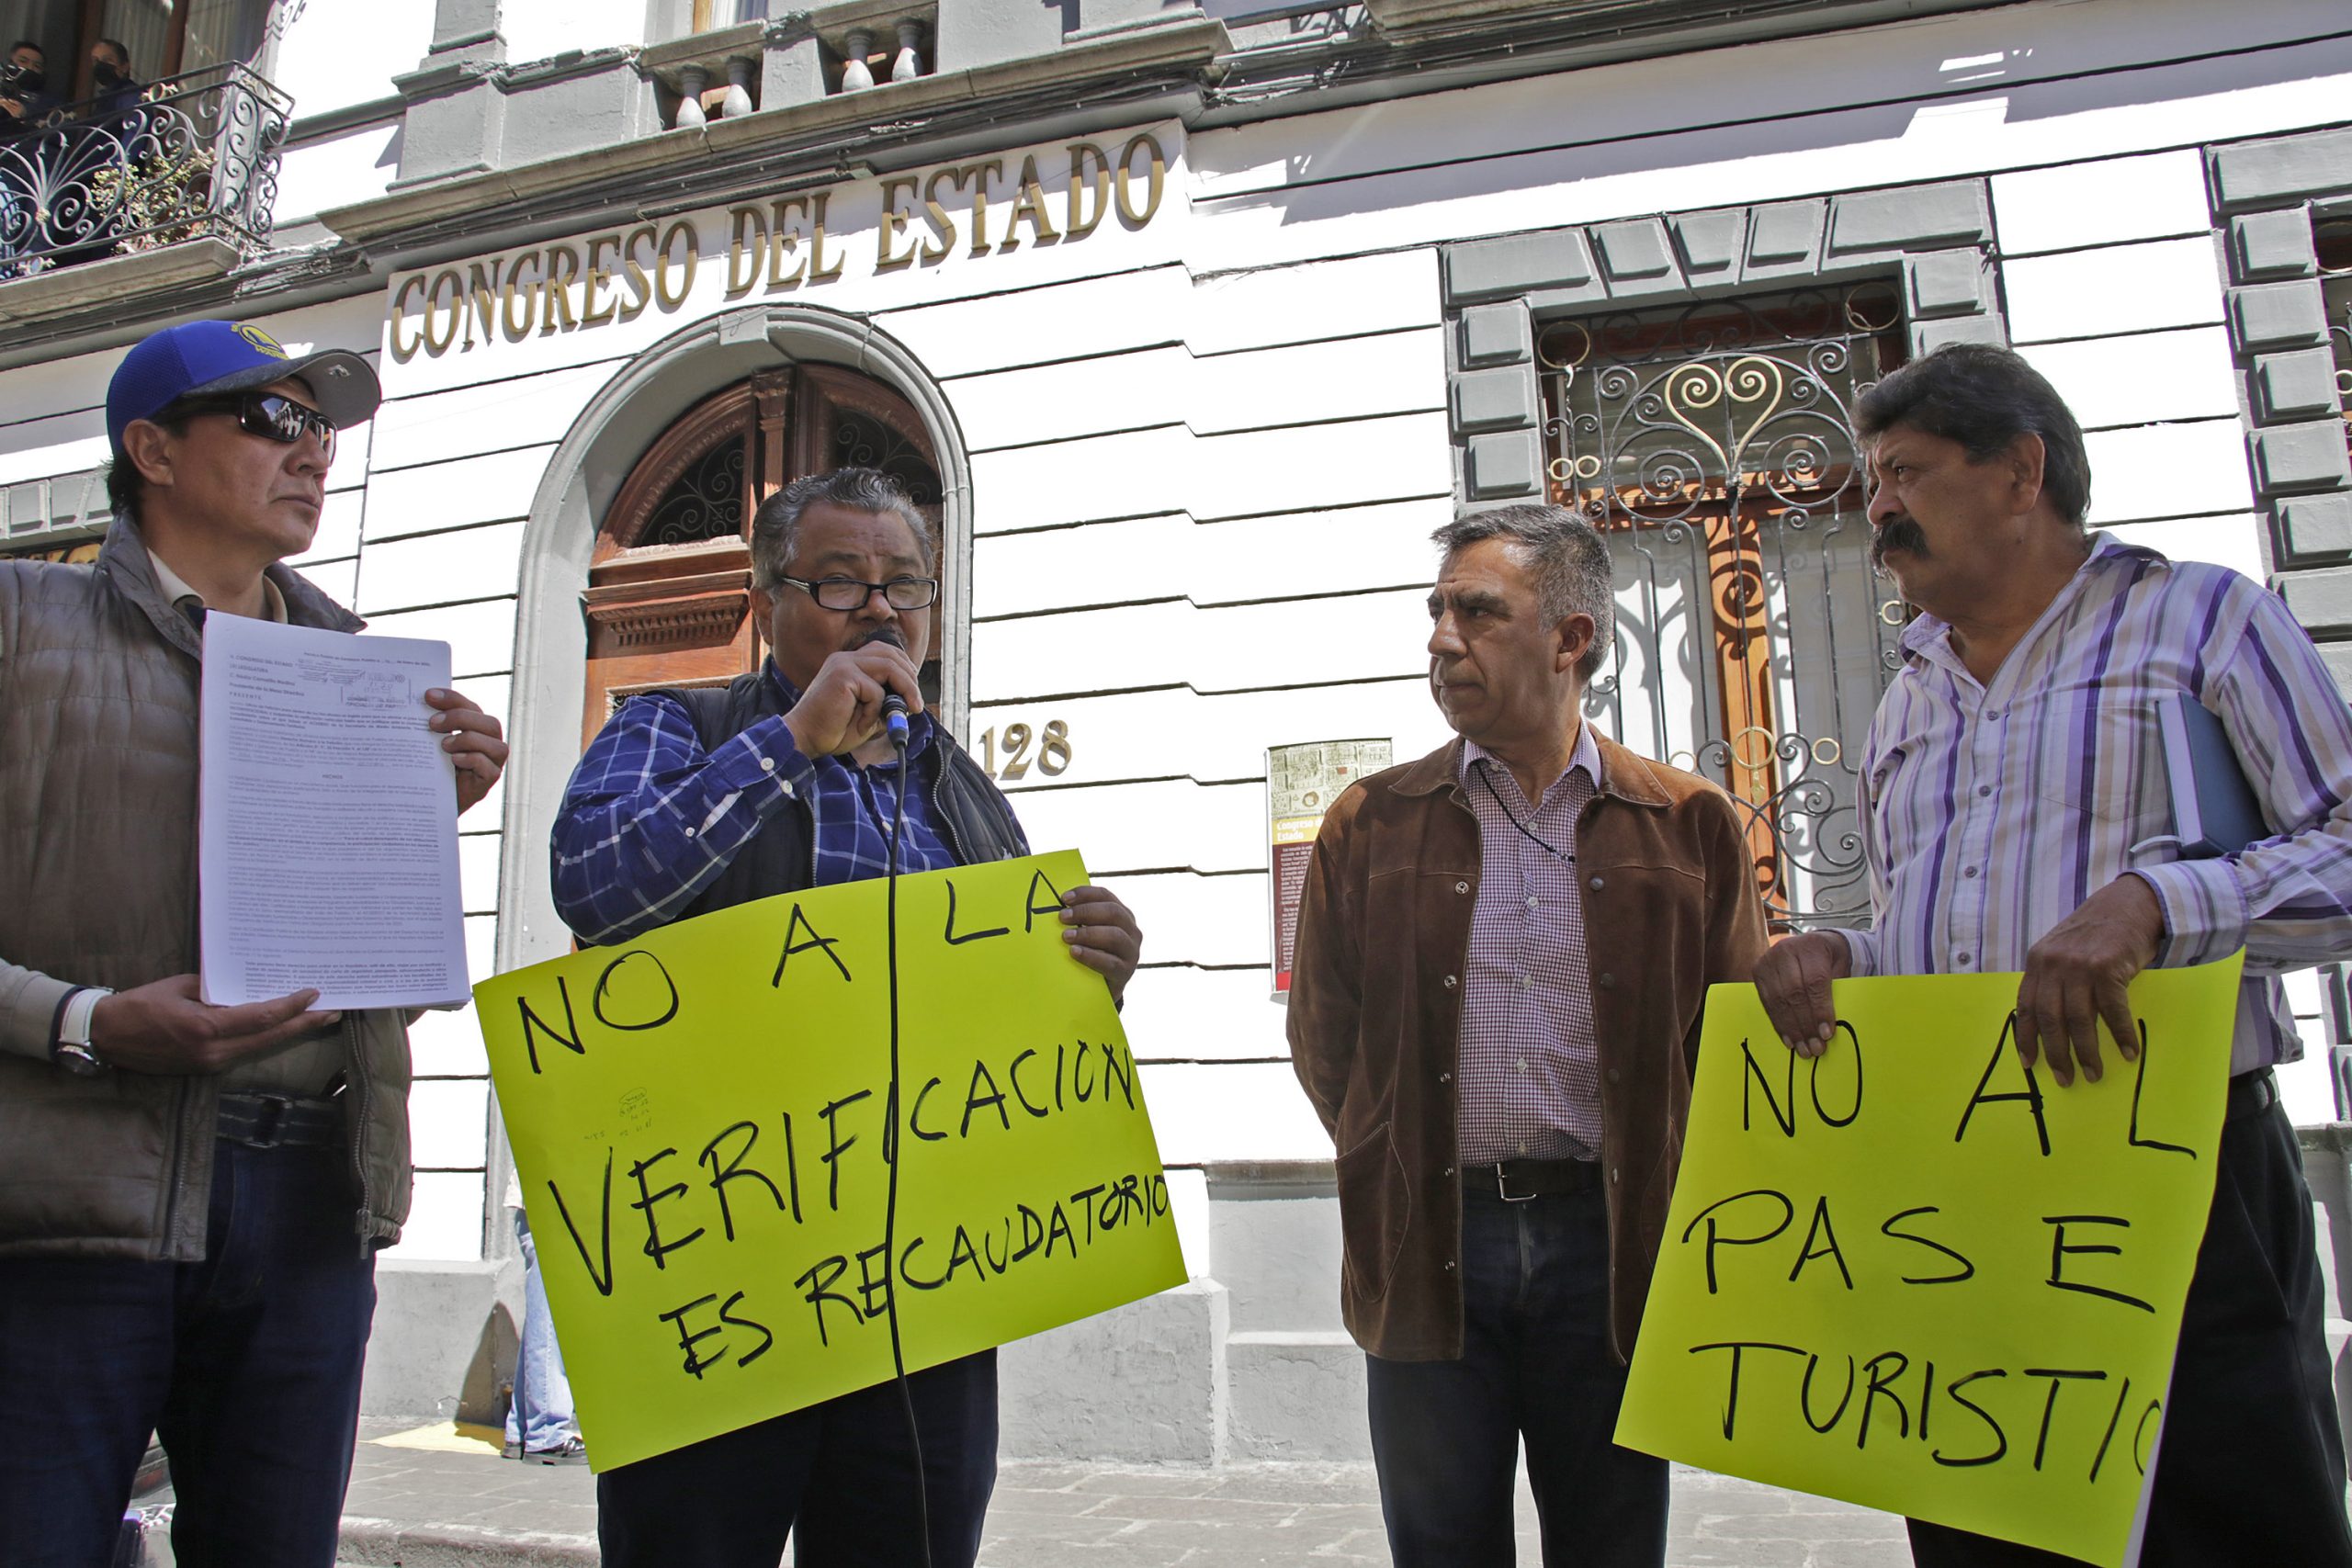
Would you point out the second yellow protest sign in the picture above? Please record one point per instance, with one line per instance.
(705, 1130)
(1911, 1274)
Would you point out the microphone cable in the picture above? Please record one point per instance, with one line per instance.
(894, 1144)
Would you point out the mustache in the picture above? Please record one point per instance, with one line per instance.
(883, 634)
(1901, 534)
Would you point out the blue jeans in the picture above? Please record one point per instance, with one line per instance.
(1535, 1365)
(541, 1416)
(839, 1478)
(247, 1363)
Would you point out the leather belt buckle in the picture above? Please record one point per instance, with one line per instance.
(265, 1119)
(1502, 1186)
(269, 1120)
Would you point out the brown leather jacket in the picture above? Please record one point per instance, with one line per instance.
(98, 686)
(1670, 909)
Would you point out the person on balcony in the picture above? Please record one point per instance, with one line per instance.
(113, 87)
(114, 149)
(24, 101)
(24, 88)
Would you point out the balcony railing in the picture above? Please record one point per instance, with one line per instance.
(191, 156)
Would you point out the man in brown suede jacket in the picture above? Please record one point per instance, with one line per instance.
(1501, 956)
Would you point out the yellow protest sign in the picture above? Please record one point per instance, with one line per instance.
(703, 1127)
(1910, 1274)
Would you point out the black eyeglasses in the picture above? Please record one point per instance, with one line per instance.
(269, 415)
(848, 593)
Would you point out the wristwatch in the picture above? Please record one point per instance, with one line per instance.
(72, 1050)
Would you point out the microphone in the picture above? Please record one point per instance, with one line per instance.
(894, 706)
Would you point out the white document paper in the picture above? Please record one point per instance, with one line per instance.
(328, 837)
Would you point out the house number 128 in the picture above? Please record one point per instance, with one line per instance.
(1052, 755)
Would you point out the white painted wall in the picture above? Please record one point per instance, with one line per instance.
(341, 53)
(540, 29)
(335, 171)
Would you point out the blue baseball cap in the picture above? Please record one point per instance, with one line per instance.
(207, 358)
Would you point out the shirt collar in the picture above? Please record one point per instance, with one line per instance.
(919, 724)
(176, 591)
(1926, 632)
(1586, 755)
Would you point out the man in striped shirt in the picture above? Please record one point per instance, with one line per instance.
(2016, 816)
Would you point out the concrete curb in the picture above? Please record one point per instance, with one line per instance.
(389, 1543)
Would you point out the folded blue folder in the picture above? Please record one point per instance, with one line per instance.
(2214, 810)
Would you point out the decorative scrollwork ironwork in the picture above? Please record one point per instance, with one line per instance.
(704, 502)
(192, 155)
(861, 441)
(1714, 446)
(2335, 284)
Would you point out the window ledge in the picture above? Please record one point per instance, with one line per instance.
(67, 289)
(702, 48)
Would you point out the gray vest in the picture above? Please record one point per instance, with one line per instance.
(98, 699)
(971, 812)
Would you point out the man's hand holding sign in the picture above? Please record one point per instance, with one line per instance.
(2076, 977)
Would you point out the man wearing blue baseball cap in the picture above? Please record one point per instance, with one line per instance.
(191, 1196)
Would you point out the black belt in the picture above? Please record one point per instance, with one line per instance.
(1517, 1181)
(279, 1121)
(2251, 1094)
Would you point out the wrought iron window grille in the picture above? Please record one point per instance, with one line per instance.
(191, 156)
(2333, 242)
(1712, 444)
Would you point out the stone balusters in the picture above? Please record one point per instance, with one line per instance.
(906, 65)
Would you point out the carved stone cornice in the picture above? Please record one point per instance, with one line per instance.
(639, 626)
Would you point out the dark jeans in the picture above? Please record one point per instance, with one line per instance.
(838, 1477)
(1535, 1364)
(247, 1364)
(2250, 1469)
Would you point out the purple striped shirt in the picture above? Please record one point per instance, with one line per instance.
(1530, 1070)
(1990, 812)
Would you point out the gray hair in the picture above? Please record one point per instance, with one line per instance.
(1566, 556)
(775, 527)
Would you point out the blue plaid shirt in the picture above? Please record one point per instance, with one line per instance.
(650, 818)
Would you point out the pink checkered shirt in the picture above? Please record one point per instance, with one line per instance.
(1529, 1073)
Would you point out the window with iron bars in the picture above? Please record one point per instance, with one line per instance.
(2332, 239)
(1712, 444)
(2334, 242)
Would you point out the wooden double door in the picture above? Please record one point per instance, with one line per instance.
(669, 601)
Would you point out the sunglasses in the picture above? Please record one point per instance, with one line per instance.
(269, 415)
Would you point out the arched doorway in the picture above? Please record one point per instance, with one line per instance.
(669, 601)
(655, 392)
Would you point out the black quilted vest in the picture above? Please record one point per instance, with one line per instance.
(970, 812)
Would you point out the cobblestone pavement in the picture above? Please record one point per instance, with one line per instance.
(1051, 1516)
(450, 1508)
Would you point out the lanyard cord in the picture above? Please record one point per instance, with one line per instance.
(1564, 859)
